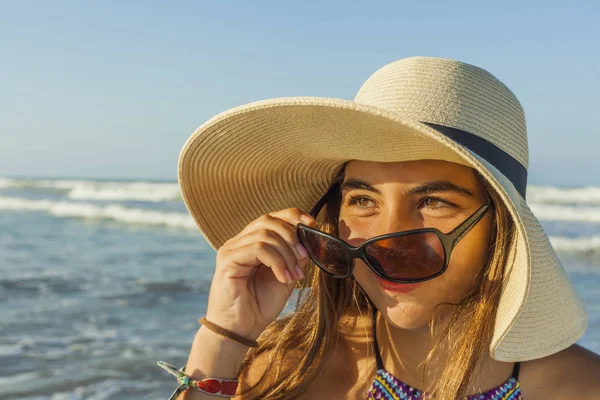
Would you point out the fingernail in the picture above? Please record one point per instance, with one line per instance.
(299, 271)
(306, 219)
(301, 250)
(288, 276)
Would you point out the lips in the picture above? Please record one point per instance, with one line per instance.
(397, 287)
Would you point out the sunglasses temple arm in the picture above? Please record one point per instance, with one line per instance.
(317, 207)
(321, 202)
(469, 223)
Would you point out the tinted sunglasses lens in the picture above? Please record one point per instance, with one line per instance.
(413, 256)
(329, 254)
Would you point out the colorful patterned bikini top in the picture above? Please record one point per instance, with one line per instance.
(387, 387)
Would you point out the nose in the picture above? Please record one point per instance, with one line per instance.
(397, 218)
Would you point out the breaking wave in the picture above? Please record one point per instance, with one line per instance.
(100, 190)
(555, 195)
(576, 245)
(549, 212)
(113, 212)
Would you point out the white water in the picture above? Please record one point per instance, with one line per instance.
(100, 190)
(546, 212)
(114, 212)
(555, 195)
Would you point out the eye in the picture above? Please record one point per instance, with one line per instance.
(358, 201)
(434, 203)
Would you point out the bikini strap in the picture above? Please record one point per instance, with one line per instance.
(516, 368)
(375, 344)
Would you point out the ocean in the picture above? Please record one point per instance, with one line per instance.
(101, 279)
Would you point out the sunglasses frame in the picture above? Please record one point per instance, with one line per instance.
(449, 241)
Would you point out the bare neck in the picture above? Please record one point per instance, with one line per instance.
(403, 353)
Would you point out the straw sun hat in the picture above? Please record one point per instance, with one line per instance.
(283, 152)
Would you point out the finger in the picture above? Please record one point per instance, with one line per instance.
(286, 231)
(284, 223)
(257, 253)
(292, 216)
(273, 238)
(290, 235)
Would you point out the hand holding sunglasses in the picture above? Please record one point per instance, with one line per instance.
(256, 272)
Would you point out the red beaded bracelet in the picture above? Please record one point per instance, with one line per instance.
(217, 386)
(214, 386)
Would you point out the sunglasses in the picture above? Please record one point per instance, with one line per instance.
(404, 257)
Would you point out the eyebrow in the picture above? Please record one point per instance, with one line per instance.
(425, 188)
(440, 186)
(354, 183)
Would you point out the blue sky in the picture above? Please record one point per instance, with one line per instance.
(112, 89)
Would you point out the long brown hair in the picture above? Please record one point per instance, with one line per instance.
(301, 345)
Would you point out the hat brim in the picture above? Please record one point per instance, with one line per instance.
(281, 153)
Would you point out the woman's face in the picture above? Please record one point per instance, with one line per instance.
(380, 198)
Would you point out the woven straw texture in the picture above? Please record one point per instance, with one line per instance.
(280, 153)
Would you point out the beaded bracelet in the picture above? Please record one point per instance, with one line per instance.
(215, 386)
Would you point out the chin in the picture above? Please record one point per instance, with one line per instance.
(407, 316)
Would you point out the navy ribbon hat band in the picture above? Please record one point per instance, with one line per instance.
(504, 162)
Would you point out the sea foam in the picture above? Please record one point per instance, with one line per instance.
(556, 195)
(100, 190)
(549, 212)
(576, 245)
(115, 212)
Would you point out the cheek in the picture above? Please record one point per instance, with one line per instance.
(357, 230)
(467, 260)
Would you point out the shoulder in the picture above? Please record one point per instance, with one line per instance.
(574, 371)
(254, 369)
(261, 367)
(343, 377)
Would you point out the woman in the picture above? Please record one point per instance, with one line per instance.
(422, 272)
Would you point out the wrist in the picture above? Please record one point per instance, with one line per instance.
(213, 355)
